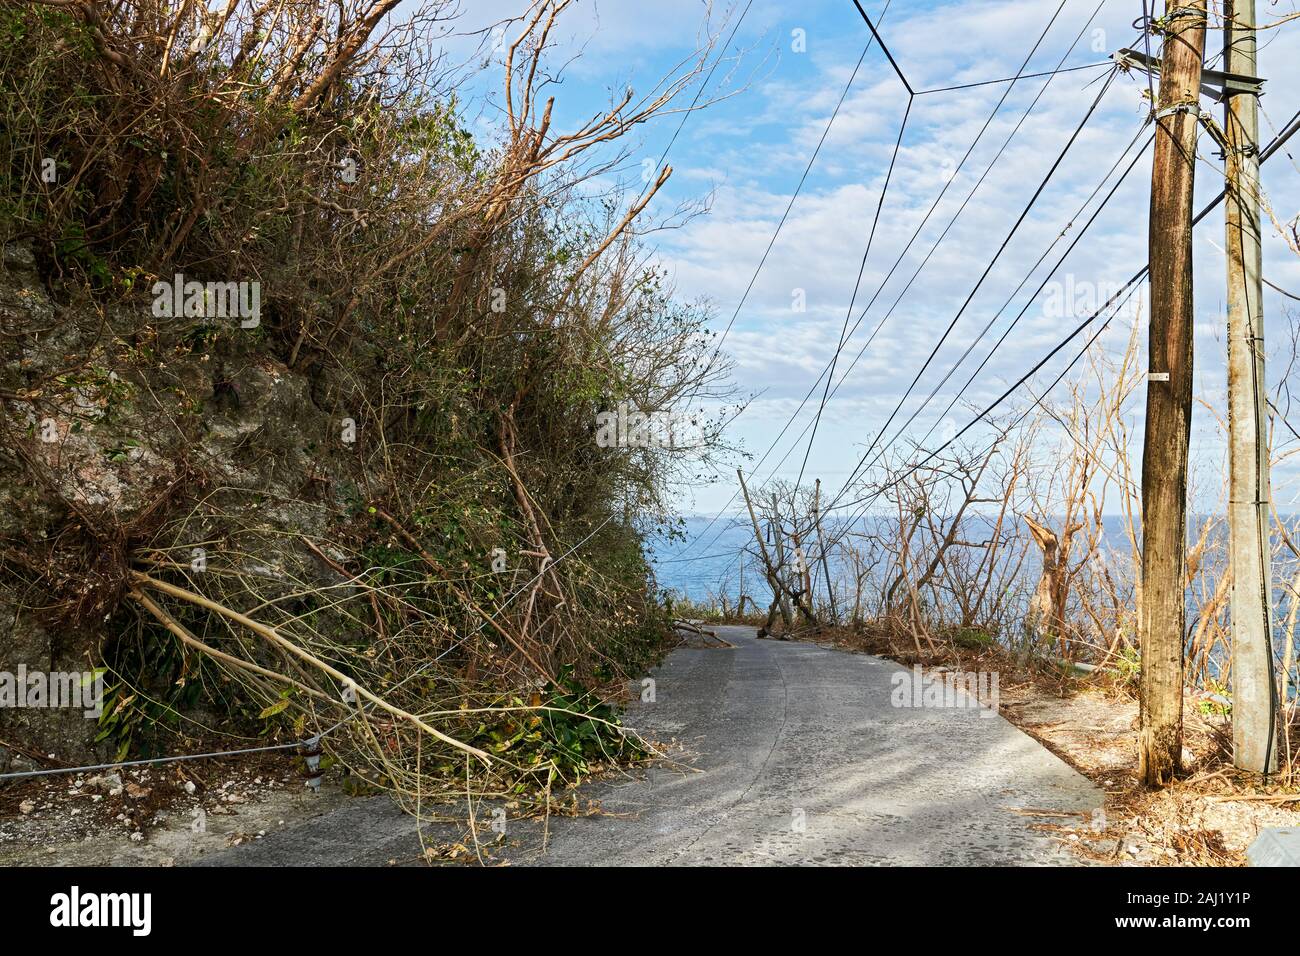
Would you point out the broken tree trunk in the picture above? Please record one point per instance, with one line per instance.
(1047, 606)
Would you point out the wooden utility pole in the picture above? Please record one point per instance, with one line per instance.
(801, 564)
(1254, 710)
(821, 546)
(1162, 617)
(770, 572)
(778, 537)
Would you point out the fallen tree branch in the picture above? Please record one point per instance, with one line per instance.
(274, 636)
(432, 562)
(186, 637)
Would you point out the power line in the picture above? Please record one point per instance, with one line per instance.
(892, 62)
(848, 313)
(790, 205)
(992, 262)
(1014, 322)
(178, 758)
(697, 557)
(700, 92)
(1118, 300)
(907, 247)
(1032, 298)
(916, 274)
(1146, 39)
(771, 242)
(1012, 79)
(817, 420)
(1281, 291)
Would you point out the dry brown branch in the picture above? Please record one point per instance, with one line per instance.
(272, 635)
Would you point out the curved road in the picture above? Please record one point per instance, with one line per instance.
(796, 756)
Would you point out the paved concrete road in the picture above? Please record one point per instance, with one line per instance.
(783, 735)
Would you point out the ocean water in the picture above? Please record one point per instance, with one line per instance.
(705, 568)
(711, 563)
(700, 568)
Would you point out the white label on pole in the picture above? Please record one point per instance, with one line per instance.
(1157, 376)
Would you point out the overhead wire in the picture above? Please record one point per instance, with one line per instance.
(1033, 297)
(794, 196)
(848, 313)
(1117, 300)
(907, 247)
(952, 222)
(1024, 214)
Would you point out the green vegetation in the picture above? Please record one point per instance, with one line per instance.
(310, 499)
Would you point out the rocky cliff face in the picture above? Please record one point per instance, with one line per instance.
(122, 442)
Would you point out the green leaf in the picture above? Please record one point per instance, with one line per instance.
(274, 709)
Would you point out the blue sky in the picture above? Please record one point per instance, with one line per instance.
(744, 156)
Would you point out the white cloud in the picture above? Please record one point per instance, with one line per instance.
(751, 150)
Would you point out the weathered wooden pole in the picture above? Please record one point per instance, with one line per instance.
(778, 541)
(1162, 617)
(773, 580)
(821, 546)
(1254, 704)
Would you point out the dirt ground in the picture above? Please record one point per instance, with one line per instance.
(153, 816)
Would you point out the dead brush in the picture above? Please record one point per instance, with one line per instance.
(357, 602)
